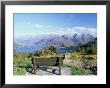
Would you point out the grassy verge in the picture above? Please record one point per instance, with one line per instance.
(22, 67)
(77, 70)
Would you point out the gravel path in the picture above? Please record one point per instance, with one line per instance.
(52, 71)
(43, 70)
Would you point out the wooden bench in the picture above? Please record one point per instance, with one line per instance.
(49, 61)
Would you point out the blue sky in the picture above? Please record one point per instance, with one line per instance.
(45, 23)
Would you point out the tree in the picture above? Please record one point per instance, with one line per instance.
(52, 49)
(30, 55)
(90, 51)
(83, 50)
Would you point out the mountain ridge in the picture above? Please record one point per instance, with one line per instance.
(55, 40)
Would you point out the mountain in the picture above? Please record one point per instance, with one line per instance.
(64, 41)
(16, 45)
(90, 46)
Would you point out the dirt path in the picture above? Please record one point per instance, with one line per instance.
(73, 62)
(55, 70)
(52, 71)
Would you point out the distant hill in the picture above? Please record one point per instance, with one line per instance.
(89, 47)
(16, 45)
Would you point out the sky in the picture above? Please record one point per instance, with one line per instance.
(54, 23)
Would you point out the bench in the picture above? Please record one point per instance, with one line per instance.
(49, 61)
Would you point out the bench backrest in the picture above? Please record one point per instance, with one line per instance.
(53, 61)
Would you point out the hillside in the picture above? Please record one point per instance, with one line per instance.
(90, 47)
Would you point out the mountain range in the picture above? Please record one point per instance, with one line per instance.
(74, 40)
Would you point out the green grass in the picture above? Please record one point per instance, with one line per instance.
(21, 67)
(77, 70)
(19, 71)
(76, 58)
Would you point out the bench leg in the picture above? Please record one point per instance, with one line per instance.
(59, 70)
(59, 66)
(34, 69)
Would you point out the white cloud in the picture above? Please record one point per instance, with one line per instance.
(73, 30)
(38, 25)
(62, 31)
(78, 30)
(24, 34)
(42, 26)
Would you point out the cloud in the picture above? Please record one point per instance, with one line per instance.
(78, 30)
(85, 30)
(73, 30)
(62, 31)
(17, 35)
(38, 25)
(42, 26)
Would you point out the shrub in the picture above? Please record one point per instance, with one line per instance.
(79, 71)
(22, 67)
(88, 63)
(26, 64)
(19, 71)
(52, 49)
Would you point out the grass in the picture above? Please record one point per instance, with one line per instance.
(77, 70)
(82, 63)
(20, 68)
(19, 71)
(76, 55)
(50, 56)
(22, 63)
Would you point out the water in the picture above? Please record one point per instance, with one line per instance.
(62, 49)
(30, 49)
(33, 49)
